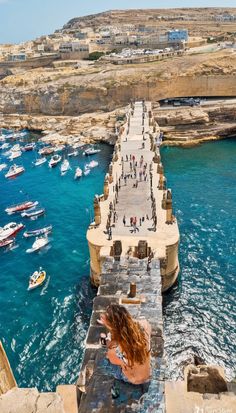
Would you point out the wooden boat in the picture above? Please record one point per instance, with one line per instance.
(37, 279)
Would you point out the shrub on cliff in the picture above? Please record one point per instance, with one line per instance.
(95, 55)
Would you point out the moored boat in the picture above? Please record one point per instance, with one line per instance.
(78, 173)
(37, 279)
(55, 159)
(14, 171)
(16, 148)
(46, 150)
(59, 148)
(14, 155)
(37, 232)
(5, 146)
(10, 230)
(21, 207)
(93, 164)
(91, 151)
(7, 242)
(38, 244)
(29, 147)
(40, 161)
(74, 153)
(87, 170)
(65, 166)
(3, 166)
(34, 214)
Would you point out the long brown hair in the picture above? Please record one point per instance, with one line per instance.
(128, 334)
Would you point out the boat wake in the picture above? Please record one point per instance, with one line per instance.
(44, 289)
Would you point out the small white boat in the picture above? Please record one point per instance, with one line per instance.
(37, 279)
(93, 164)
(46, 150)
(75, 153)
(78, 145)
(5, 146)
(7, 242)
(38, 244)
(14, 171)
(91, 151)
(29, 147)
(14, 155)
(16, 148)
(86, 170)
(65, 166)
(33, 214)
(3, 166)
(40, 161)
(59, 148)
(37, 232)
(10, 230)
(55, 159)
(21, 207)
(78, 173)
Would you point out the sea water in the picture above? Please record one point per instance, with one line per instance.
(200, 311)
(43, 330)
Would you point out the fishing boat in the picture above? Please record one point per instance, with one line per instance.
(87, 170)
(46, 150)
(93, 164)
(10, 230)
(38, 244)
(37, 232)
(21, 207)
(65, 166)
(6, 242)
(35, 214)
(40, 161)
(37, 279)
(75, 153)
(91, 151)
(14, 171)
(29, 147)
(14, 155)
(78, 173)
(55, 159)
(3, 166)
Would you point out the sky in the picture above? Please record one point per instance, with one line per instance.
(22, 20)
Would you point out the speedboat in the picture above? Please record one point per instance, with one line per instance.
(39, 243)
(75, 153)
(37, 279)
(65, 166)
(91, 151)
(46, 150)
(55, 159)
(10, 230)
(35, 214)
(6, 242)
(14, 171)
(29, 147)
(78, 173)
(93, 164)
(14, 155)
(40, 161)
(21, 207)
(87, 170)
(37, 232)
(3, 166)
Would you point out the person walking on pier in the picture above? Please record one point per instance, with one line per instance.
(128, 345)
(124, 220)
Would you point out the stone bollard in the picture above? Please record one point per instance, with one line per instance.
(97, 210)
(142, 249)
(168, 207)
(132, 290)
(117, 250)
(110, 173)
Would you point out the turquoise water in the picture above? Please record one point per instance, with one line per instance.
(200, 312)
(43, 331)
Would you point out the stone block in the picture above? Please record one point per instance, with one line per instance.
(68, 394)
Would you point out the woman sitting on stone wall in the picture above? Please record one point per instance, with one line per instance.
(128, 345)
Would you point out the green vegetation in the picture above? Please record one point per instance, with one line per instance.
(95, 55)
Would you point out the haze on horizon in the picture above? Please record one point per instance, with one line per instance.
(23, 20)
